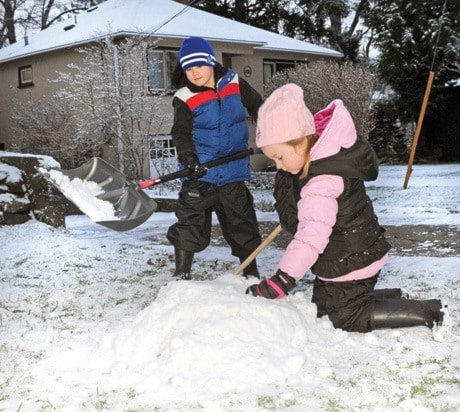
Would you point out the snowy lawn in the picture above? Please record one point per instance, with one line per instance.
(91, 320)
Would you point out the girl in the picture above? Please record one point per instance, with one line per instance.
(321, 200)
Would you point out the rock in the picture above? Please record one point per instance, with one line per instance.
(11, 203)
(29, 194)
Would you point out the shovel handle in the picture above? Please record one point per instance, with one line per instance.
(187, 172)
(259, 249)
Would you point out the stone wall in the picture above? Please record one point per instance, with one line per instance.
(26, 194)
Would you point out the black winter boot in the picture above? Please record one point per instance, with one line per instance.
(251, 270)
(184, 261)
(402, 313)
(389, 294)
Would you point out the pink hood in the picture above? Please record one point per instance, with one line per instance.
(336, 129)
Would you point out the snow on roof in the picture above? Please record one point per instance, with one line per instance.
(161, 18)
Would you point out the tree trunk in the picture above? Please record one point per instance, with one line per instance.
(9, 21)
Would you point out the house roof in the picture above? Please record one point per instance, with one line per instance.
(161, 18)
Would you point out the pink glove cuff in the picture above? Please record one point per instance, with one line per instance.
(276, 288)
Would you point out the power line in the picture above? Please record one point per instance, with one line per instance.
(192, 3)
(439, 33)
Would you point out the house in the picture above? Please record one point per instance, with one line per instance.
(27, 66)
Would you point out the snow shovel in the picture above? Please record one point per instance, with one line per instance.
(132, 206)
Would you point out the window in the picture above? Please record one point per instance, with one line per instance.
(272, 67)
(162, 146)
(25, 76)
(163, 155)
(161, 67)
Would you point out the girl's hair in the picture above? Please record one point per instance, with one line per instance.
(311, 140)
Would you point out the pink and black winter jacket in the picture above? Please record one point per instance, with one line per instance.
(336, 233)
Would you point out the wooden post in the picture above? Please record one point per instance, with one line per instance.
(418, 128)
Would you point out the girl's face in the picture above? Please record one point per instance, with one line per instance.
(289, 158)
(201, 75)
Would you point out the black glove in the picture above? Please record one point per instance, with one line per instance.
(190, 161)
(274, 288)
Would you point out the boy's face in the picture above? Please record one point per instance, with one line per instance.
(201, 75)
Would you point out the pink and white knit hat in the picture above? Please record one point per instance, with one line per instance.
(284, 117)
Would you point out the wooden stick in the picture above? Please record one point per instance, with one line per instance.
(259, 249)
(418, 129)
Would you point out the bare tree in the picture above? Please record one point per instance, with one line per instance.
(103, 102)
(110, 92)
(44, 13)
(9, 20)
(32, 15)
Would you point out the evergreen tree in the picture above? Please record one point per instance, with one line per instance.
(318, 21)
(415, 37)
(264, 14)
(387, 137)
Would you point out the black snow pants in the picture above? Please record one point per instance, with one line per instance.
(234, 208)
(349, 305)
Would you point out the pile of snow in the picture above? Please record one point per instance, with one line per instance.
(210, 329)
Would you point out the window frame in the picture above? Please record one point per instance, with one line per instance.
(22, 80)
(162, 154)
(167, 69)
(273, 65)
(161, 145)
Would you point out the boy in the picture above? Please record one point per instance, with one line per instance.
(209, 123)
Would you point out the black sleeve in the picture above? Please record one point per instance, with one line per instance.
(181, 131)
(251, 99)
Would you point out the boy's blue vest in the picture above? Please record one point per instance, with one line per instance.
(219, 128)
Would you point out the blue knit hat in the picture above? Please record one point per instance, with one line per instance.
(196, 51)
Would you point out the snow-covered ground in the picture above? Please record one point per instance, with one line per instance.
(91, 320)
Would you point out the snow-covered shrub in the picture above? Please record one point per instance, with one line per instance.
(324, 81)
(51, 127)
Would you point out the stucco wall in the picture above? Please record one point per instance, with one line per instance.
(45, 68)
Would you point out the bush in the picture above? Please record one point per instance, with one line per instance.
(50, 128)
(323, 82)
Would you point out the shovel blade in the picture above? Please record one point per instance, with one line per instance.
(132, 206)
(99, 171)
